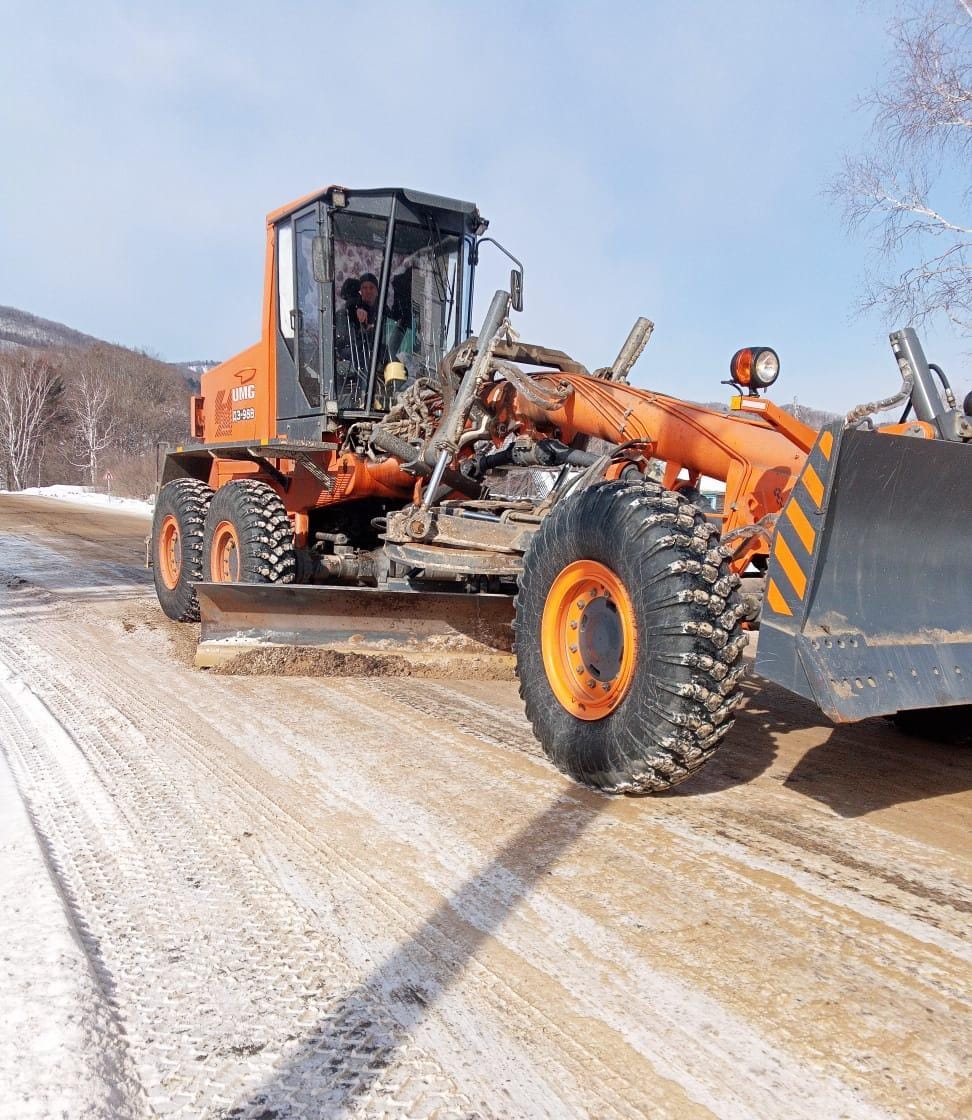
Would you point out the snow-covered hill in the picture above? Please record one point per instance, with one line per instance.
(22, 329)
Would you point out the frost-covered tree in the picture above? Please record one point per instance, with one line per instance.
(30, 391)
(911, 193)
(89, 406)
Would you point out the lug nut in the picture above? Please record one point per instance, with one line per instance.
(573, 648)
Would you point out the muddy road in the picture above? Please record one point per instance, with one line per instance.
(332, 897)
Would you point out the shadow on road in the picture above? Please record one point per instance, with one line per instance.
(869, 766)
(857, 769)
(340, 1062)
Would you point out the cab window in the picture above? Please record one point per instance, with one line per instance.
(285, 283)
(359, 252)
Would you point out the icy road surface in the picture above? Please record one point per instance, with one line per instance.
(258, 897)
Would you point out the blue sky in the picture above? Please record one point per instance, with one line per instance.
(666, 159)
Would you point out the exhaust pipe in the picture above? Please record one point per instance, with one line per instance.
(632, 349)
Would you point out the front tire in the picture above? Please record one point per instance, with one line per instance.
(628, 637)
(177, 546)
(248, 536)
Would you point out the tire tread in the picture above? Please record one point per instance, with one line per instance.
(264, 527)
(188, 500)
(688, 610)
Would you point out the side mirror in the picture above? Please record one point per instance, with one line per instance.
(516, 289)
(320, 251)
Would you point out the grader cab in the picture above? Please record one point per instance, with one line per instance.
(348, 484)
(365, 290)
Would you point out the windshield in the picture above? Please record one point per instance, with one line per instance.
(415, 325)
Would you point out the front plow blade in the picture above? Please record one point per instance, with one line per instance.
(240, 616)
(868, 604)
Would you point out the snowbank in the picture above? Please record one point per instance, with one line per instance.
(85, 496)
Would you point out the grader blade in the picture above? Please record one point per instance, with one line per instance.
(868, 608)
(240, 616)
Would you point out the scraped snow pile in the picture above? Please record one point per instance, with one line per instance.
(85, 496)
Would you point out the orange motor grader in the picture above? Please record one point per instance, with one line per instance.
(348, 479)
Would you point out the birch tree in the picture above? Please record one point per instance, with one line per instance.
(90, 410)
(910, 195)
(30, 389)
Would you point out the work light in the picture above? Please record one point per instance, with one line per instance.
(754, 367)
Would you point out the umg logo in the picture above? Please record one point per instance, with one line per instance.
(244, 393)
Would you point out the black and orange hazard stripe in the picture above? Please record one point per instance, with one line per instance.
(797, 530)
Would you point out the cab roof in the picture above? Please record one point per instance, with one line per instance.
(416, 198)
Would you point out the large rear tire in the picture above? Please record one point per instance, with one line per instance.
(248, 536)
(177, 545)
(628, 637)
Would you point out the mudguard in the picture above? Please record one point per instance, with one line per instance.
(868, 603)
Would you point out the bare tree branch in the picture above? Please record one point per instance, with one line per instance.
(927, 103)
(29, 389)
(922, 126)
(89, 405)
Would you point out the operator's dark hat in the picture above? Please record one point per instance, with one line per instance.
(368, 278)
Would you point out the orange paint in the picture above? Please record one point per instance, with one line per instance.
(584, 595)
(788, 562)
(224, 556)
(170, 552)
(754, 454)
(775, 599)
(798, 519)
(815, 488)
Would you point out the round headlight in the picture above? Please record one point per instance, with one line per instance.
(766, 368)
(755, 367)
(741, 366)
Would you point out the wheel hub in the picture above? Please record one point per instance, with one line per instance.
(225, 556)
(601, 643)
(170, 552)
(589, 639)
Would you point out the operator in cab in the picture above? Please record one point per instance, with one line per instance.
(367, 310)
(358, 319)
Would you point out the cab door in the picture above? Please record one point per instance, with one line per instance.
(302, 366)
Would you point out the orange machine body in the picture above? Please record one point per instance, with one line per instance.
(758, 450)
(237, 399)
(237, 404)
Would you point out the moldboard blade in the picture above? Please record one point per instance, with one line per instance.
(868, 605)
(235, 616)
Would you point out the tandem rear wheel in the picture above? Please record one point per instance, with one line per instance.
(177, 546)
(628, 637)
(248, 536)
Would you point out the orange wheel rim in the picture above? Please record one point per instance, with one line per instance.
(224, 556)
(588, 639)
(170, 552)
